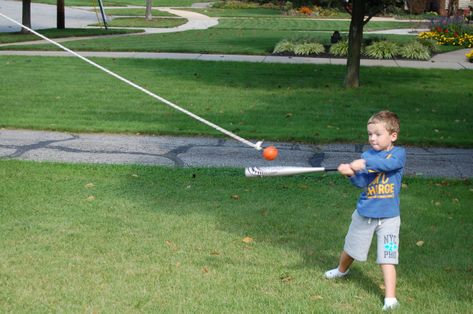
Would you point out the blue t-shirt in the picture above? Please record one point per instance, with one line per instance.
(381, 181)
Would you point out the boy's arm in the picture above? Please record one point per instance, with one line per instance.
(394, 162)
(346, 170)
(358, 179)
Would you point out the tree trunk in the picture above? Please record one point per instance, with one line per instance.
(26, 15)
(355, 38)
(149, 6)
(61, 18)
(452, 8)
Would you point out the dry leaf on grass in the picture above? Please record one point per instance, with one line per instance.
(316, 297)
(247, 240)
(420, 243)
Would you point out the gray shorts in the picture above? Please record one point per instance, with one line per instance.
(360, 235)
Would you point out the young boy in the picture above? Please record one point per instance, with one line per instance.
(379, 173)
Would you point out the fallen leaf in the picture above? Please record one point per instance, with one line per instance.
(91, 198)
(134, 175)
(236, 197)
(404, 186)
(456, 200)
(178, 264)
(420, 243)
(214, 253)
(205, 270)
(247, 240)
(285, 278)
(289, 114)
(382, 287)
(316, 297)
(89, 185)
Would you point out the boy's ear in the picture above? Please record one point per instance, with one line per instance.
(393, 136)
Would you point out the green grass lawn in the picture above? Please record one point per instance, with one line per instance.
(271, 101)
(129, 239)
(251, 12)
(157, 22)
(135, 12)
(298, 24)
(6, 38)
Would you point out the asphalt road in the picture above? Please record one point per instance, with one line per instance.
(211, 152)
(43, 16)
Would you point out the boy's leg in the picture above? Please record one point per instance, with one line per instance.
(343, 267)
(389, 273)
(345, 262)
(388, 258)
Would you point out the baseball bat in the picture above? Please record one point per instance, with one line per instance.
(252, 172)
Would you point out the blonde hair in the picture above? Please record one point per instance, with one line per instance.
(389, 118)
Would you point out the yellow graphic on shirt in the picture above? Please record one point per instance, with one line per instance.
(380, 187)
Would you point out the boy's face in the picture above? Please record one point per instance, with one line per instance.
(379, 137)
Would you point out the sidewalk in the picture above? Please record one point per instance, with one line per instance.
(211, 152)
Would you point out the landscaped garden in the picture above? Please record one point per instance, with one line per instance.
(270, 30)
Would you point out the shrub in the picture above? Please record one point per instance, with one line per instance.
(340, 49)
(284, 46)
(309, 48)
(305, 10)
(429, 43)
(414, 50)
(234, 5)
(382, 50)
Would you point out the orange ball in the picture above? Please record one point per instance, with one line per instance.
(270, 153)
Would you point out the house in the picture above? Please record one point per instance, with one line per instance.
(462, 7)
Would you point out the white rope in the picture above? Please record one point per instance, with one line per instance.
(257, 146)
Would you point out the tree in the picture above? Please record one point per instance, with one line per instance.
(452, 8)
(60, 17)
(361, 13)
(149, 7)
(26, 15)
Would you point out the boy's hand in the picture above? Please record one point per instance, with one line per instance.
(346, 170)
(358, 164)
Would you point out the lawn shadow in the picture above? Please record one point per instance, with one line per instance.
(305, 215)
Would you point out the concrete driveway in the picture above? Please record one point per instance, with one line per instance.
(43, 16)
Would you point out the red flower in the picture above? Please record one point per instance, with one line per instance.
(439, 29)
(455, 34)
(445, 31)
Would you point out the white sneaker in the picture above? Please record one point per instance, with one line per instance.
(335, 273)
(388, 306)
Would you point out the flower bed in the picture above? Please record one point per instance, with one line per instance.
(470, 56)
(450, 31)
